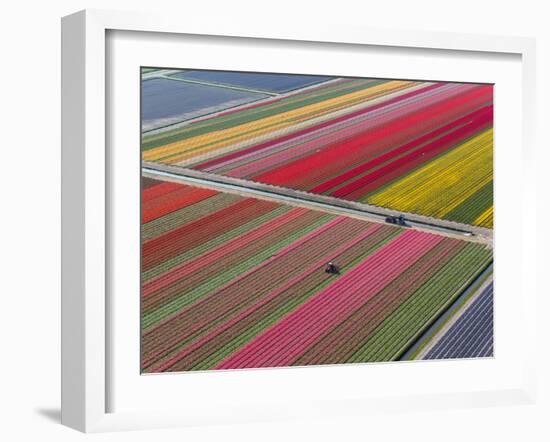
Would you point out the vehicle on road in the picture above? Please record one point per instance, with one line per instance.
(398, 220)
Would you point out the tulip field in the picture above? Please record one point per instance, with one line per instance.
(230, 282)
(472, 335)
(467, 332)
(277, 223)
(418, 147)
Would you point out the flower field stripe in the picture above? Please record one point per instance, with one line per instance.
(257, 362)
(296, 93)
(316, 266)
(344, 152)
(297, 145)
(375, 120)
(295, 126)
(178, 151)
(396, 152)
(329, 320)
(339, 127)
(210, 242)
(474, 166)
(231, 339)
(471, 335)
(423, 154)
(372, 316)
(159, 189)
(470, 164)
(341, 341)
(173, 201)
(297, 345)
(410, 318)
(233, 297)
(264, 109)
(217, 268)
(171, 243)
(479, 202)
(287, 249)
(457, 309)
(257, 129)
(398, 340)
(149, 182)
(182, 298)
(246, 119)
(259, 352)
(212, 256)
(185, 215)
(211, 164)
(485, 219)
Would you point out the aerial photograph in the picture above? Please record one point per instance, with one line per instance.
(292, 220)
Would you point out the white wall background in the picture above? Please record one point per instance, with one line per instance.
(30, 220)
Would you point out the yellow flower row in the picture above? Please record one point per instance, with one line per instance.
(200, 144)
(485, 219)
(444, 183)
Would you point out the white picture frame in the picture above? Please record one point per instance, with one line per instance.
(86, 212)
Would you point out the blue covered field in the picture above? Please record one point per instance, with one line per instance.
(471, 336)
(165, 102)
(266, 82)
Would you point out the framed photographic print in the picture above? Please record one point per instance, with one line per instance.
(268, 223)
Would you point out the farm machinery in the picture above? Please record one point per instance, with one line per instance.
(398, 220)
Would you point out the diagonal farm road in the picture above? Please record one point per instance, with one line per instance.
(312, 201)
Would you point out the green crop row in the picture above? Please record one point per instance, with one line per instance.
(412, 317)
